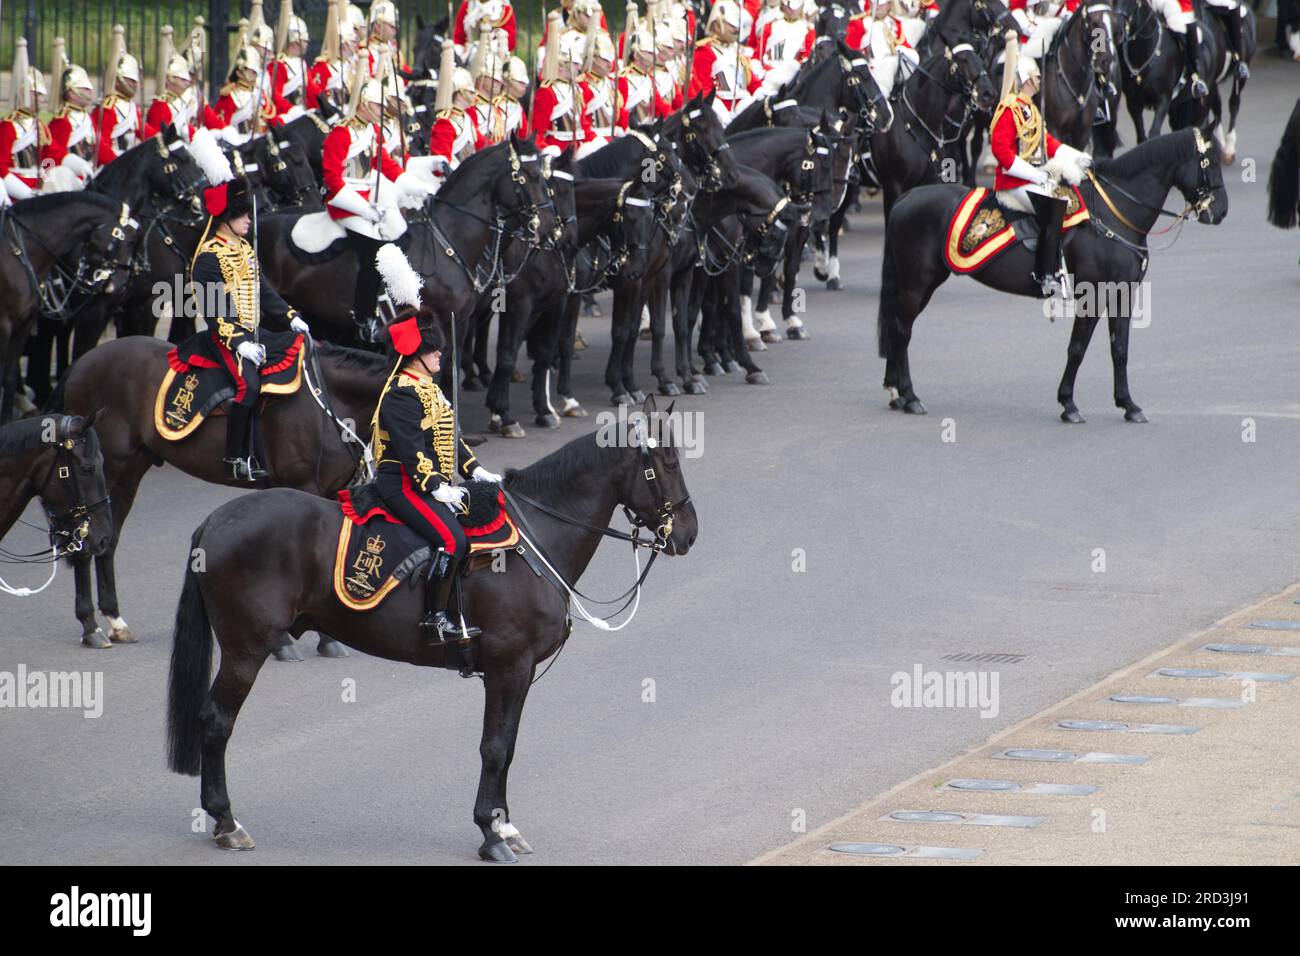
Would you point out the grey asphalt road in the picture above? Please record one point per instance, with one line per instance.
(771, 687)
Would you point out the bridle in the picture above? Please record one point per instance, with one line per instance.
(968, 92)
(868, 106)
(1062, 46)
(703, 161)
(71, 525)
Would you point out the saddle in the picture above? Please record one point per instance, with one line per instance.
(197, 384)
(376, 552)
(982, 229)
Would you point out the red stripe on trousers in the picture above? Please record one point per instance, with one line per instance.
(241, 387)
(408, 492)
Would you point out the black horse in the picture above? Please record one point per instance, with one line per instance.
(1284, 177)
(93, 234)
(305, 446)
(268, 576)
(57, 459)
(1077, 74)
(1109, 251)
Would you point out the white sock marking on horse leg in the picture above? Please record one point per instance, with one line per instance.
(819, 260)
(747, 317)
(833, 268)
(504, 829)
(570, 402)
(763, 320)
(645, 318)
(116, 624)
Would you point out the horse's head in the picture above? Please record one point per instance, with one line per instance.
(524, 193)
(703, 141)
(559, 172)
(767, 215)
(108, 250)
(1200, 179)
(69, 479)
(172, 171)
(863, 95)
(655, 495)
(833, 20)
(990, 16)
(1099, 33)
(285, 169)
(966, 69)
(632, 225)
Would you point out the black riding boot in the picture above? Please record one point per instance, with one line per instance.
(436, 626)
(1050, 213)
(239, 427)
(1191, 60)
(1236, 42)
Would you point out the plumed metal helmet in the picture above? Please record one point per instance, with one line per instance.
(663, 34)
(572, 48)
(76, 78)
(357, 19)
(372, 91)
(725, 11)
(128, 68)
(462, 81)
(1026, 69)
(603, 47)
(297, 31)
(262, 37)
(178, 68)
(640, 40)
(905, 9)
(516, 70)
(248, 58)
(590, 7)
(383, 11)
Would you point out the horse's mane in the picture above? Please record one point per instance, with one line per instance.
(1153, 154)
(21, 436)
(344, 357)
(117, 175)
(578, 457)
(42, 205)
(609, 161)
(766, 132)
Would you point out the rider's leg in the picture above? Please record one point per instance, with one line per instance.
(366, 294)
(1050, 213)
(1232, 21)
(239, 424)
(1191, 41)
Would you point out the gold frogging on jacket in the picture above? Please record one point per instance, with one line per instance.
(438, 420)
(239, 275)
(1029, 125)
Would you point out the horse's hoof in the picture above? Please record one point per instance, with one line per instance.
(797, 333)
(512, 430)
(1071, 416)
(236, 839)
(914, 407)
(621, 398)
(122, 635)
(756, 345)
(287, 654)
(670, 389)
(516, 376)
(696, 388)
(757, 378)
(328, 647)
(638, 396)
(770, 336)
(96, 639)
(519, 844)
(833, 285)
(497, 852)
(714, 368)
(547, 421)
(1135, 416)
(574, 411)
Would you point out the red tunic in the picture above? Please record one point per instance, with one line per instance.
(442, 139)
(702, 73)
(804, 52)
(544, 116)
(105, 121)
(1005, 144)
(459, 36)
(8, 136)
(334, 162)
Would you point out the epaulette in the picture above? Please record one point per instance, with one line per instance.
(448, 113)
(227, 89)
(707, 41)
(110, 101)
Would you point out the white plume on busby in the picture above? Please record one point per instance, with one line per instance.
(213, 162)
(402, 282)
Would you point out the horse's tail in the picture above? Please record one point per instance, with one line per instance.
(1284, 178)
(191, 672)
(887, 317)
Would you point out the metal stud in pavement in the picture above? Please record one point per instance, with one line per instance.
(1222, 703)
(1193, 673)
(1008, 786)
(919, 852)
(1119, 727)
(1274, 624)
(1142, 699)
(1253, 649)
(970, 819)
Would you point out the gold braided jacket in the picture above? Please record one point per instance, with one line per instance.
(239, 275)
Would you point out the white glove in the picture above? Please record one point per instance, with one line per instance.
(1023, 170)
(78, 165)
(449, 494)
(482, 474)
(253, 352)
(412, 188)
(16, 188)
(349, 200)
(298, 324)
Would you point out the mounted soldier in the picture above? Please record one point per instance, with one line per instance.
(289, 77)
(173, 104)
(669, 67)
(1232, 14)
(242, 109)
(722, 65)
(418, 447)
(1180, 18)
(69, 156)
(233, 296)
(473, 16)
(560, 119)
(1029, 159)
(879, 34)
(118, 119)
(639, 100)
(22, 134)
(381, 41)
(489, 110)
(599, 84)
(364, 188)
(455, 135)
(785, 38)
(510, 103)
(326, 89)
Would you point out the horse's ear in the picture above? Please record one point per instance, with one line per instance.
(650, 408)
(95, 418)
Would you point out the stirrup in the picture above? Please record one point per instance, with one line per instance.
(244, 469)
(1199, 89)
(1050, 285)
(437, 628)
(1243, 71)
